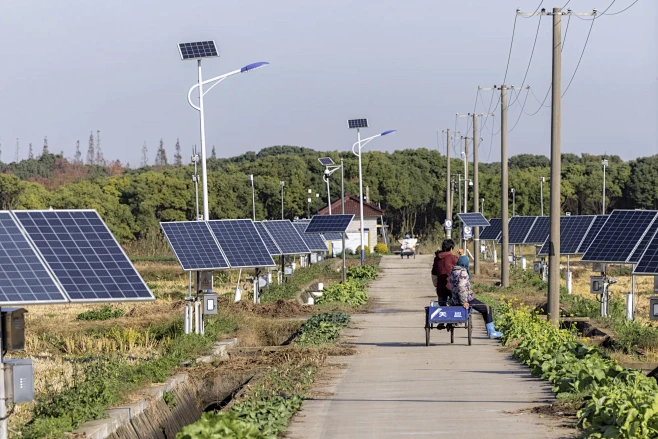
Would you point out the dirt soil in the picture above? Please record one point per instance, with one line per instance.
(278, 309)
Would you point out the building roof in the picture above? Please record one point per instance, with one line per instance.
(352, 207)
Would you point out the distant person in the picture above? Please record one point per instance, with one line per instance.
(463, 295)
(442, 267)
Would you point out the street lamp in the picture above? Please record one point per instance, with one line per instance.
(253, 196)
(604, 163)
(513, 201)
(482, 208)
(358, 124)
(282, 183)
(541, 193)
(198, 51)
(330, 168)
(465, 179)
(308, 209)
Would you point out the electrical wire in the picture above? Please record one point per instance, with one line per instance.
(624, 10)
(597, 16)
(529, 62)
(533, 14)
(522, 110)
(581, 58)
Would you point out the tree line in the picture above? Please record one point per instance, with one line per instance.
(408, 184)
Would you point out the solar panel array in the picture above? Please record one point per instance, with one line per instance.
(593, 231)
(24, 279)
(267, 239)
(473, 219)
(332, 236)
(329, 223)
(83, 255)
(644, 242)
(286, 237)
(518, 228)
(194, 245)
(539, 231)
(241, 243)
(619, 236)
(357, 123)
(572, 232)
(201, 49)
(648, 262)
(326, 161)
(313, 241)
(493, 231)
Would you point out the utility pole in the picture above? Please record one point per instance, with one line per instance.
(465, 173)
(541, 193)
(448, 184)
(604, 162)
(556, 157)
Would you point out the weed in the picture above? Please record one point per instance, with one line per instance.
(105, 312)
(170, 399)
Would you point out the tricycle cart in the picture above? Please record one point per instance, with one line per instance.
(408, 247)
(453, 317)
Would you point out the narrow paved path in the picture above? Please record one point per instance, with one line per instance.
(397, 387)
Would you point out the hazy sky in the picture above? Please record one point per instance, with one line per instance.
(73, 66)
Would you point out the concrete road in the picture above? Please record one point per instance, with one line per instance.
(397, 387)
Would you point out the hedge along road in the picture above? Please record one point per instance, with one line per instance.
(395, 386)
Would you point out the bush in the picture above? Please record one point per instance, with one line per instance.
(381, 249)
(322, 328)
(364, 272)
(358, 250)
(105, 312)
(351, 292)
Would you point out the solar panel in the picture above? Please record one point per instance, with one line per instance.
(267, 239)
(329, 223)
(518, 228)
(313, 242)
(473, 219)
(326, 161)
(619, 236)
(24, 278)
(332, 236)
(200, 49)
(194, 245)
(357, 123)
(286, 237)
(241, 243)
(539, 231)
(492, 232)
(591, 233)
(648, 263)
(84, 256)
(572, 232)
(644, 242)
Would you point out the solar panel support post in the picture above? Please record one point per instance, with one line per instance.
(630, 299)
(342, 211)
(4, 433)
(569, 276)
(204, 176)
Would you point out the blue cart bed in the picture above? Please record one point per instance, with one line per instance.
(454, 317)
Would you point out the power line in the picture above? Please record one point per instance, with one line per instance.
(624, 10)
(540, 3)
(522, 110)
(529, 62)
(581, 56)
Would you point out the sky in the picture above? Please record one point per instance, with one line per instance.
(71, 67)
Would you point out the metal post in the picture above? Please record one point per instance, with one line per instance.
(256, 287)
(363, 249)
(504, 191)
(253, 196)
(282, 185)
(448, 184)
(556, 169)
(328, 195)
(569, 278)
(4, 433)
(513, 202)
(195, 179)
(204, 176)
(476, 196)
(459, 187)
(541, 194)
(342, 210)
(605, 163)
(630, 300)
(465, 174)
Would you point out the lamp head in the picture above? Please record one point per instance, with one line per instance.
(253, 66)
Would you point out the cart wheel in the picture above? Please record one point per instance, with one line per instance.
(452, 334)
(427, 335)
(470, 329)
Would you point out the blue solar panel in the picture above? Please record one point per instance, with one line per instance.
(493, 231)
(619, 236)
(24, 278)
(267, 239)
(241, 243)
(84, 256)
(326, 161)
(648, 263)
(539, 231)
(194, 245)
(313, 241)
(644, 242)
(591, 233)
(197, 50)
(518, 228)
(329, 223)
(332, 236)
(473, 219)
(286, 237)
(572, 232)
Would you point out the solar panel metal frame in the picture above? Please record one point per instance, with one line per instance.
(267, 239)
(326, 161)
(496, 225)
(566, 230)
(643, 243)
(107, 229)
(224, 244)
(311, 240)
(357, 123)
(300, 249)
(332, 236)
(319, 224)
(178, 256)
(511, 230)
(473, 219)
(187, 47)
(648, 262)
(539, 231)
(591, 254)
(594, 229)
(40, 262)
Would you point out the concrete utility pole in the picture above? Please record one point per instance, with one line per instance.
(556, 158)
(476, 191)
(465, 173)
(448, 185)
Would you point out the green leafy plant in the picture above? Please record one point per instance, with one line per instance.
(363, 272)
(351, 292)
(225, 425)
(105, 312)
(322, 328)
(169, 398)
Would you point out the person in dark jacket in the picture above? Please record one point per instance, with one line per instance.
(443, 263)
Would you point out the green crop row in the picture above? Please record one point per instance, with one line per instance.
(351, 292)
(322, 328)
(619, 403)
(364, 272)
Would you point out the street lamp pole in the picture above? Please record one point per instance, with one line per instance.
(342, 211)
(308, 207)
(282, 183)
(253, 196)
(541, 193)
(513, 202)
(604, 163)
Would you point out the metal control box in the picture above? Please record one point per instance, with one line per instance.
(19, 381)
(13, 329)
(653, 307)
(537, 266)
(209, 303)
(288, 270)
(596, 284)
